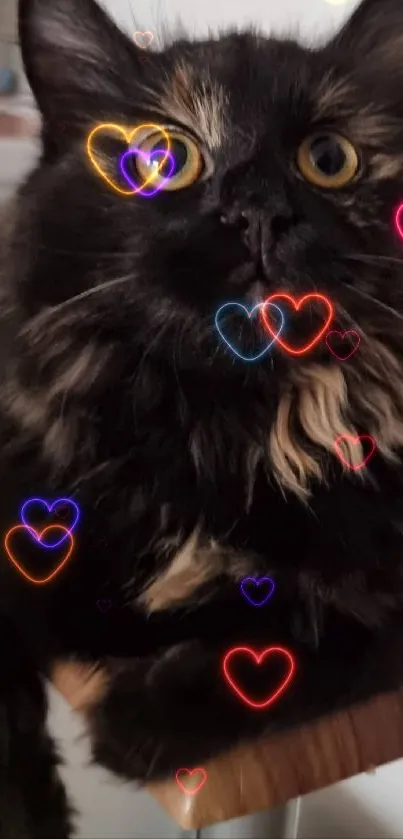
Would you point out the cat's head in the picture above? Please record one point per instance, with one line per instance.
(288, 174)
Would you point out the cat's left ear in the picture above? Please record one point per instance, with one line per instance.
(79, 64)
(374, 33)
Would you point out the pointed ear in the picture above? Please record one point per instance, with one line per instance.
(374, 33)
(77, 61)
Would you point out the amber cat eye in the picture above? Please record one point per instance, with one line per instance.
(186, 156)
(327, 160)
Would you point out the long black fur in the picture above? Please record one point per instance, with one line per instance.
(124, 399)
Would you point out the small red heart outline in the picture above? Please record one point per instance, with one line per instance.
(191, 772)
(297, 305)
(143, 37)
(39, 535)
(343, 335)
(258, 658)
(354, 440)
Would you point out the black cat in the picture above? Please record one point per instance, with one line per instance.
(193, 469)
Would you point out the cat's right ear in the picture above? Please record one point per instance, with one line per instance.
(78, 63)
(373, 34)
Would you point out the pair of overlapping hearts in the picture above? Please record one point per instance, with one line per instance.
(269, 307)
(49, 535)
(155, 159)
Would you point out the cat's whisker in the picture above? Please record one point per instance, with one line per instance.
(89, 292)
(373, 257)
(163, 328)
(371, 299)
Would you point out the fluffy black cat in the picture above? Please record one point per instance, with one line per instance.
(193, 469)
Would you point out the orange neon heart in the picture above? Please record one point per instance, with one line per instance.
(297, 305)
(22, 570)
(128, 136)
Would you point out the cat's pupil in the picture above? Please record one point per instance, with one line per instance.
(178, 160)
(327, 155)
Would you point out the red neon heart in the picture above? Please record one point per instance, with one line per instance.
(258, 658)
(191, 772)
(355, 441)
(342, 336)
(297, 305)
(21, 569)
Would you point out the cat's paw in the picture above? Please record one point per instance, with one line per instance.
(162, 713)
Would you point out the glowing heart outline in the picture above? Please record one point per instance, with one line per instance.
(146, 32)
(190, 773)
(343, 335)
(398, 225)
(355, 440)
(21, 570)
(147, 157)
(258, 657)
(297, 305)
(249, 314)
(49, 508)
(128, 135)
(258, 581)
(104, 604)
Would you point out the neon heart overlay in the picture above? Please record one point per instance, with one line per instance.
(354, 440)
(399, 220)
(343, 335)
(128, 136)
(147, 159)
(38, 537)
(297, 304)
(104, 605)
(191, 772)
(144, 36)
(258, 658)
(257, 581)
(249, 314)
(49, 507)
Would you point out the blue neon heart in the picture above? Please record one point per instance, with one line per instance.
(250, 315)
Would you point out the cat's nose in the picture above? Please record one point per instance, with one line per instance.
(261, 230)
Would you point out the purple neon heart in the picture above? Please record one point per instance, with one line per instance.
(50, 507)
(257, 581)
(147, 159)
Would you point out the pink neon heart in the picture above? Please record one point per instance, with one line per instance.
(355, 441)
(399, 220)
(190, 772)
(342, 336)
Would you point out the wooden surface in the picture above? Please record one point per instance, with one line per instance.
(270, 772)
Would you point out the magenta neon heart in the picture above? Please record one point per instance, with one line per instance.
(49, 507)
(147, 159)
(258, 581)
(399, 220)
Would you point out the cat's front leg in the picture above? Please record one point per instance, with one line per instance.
(178, 709)
(33, 801)
(183, 706)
